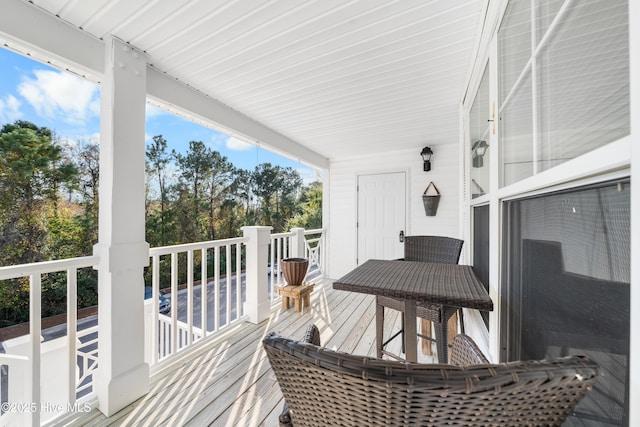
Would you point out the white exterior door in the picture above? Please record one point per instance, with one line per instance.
(381, 215)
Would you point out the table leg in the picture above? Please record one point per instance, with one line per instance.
(410, 331)
(442, 334)
(441, 341)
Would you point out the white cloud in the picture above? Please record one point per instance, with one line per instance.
(9, 109)
(94, 106)
(218, 140)
(53, 93)
(236, 144)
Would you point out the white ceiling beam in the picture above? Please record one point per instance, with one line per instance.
(45, 37)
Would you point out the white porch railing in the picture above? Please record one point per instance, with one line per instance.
(31, 370)
(165, 335)
(183, 327)
(197, 310)
(87, 358)
(315, 252)
(279, 248)
(29, 391)
(285, 245)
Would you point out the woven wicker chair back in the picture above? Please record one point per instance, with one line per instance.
(323, 387)
(440, 249)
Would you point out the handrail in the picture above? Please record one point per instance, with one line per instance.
(10, 359)
(166, 250)
(314, 231)
(279, 235)
(44, 267)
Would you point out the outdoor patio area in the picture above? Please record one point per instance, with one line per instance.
(511, 126)
(228, 381)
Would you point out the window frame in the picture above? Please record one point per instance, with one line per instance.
(610, 161)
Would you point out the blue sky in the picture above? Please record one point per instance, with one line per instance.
(70, 106)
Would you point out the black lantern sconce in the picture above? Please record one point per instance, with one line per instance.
(426, 154)
(479, 149)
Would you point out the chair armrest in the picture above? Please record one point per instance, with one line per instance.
(312, 335)
(466, 352)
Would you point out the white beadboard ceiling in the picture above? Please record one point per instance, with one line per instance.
(340, 77)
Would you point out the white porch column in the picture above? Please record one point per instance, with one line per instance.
(122, 375)
(258, 305)
(298, 243)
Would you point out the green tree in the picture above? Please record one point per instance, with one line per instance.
(31, 173)
(219, 184)
(265, 179)
(158, 160)
(187, 228)
(242, 189)
(277, 189)
(289, 185)
(310, 215)
(195, 168)
(86, 155)
(65, 237)
(231, 219)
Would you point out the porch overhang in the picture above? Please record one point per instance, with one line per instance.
(31, 30)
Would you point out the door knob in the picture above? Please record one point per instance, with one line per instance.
(401, 236)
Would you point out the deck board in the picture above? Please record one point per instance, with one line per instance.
(229, 381)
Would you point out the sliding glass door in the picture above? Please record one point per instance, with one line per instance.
(547, 125)
(567, 270)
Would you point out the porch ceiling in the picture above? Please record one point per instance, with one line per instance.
(341, 78)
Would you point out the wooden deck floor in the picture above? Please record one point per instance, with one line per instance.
(229, 382)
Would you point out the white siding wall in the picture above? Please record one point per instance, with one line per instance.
(343, 174)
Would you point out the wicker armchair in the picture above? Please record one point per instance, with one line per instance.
(323, 387)
(311, 336)
(445, 250)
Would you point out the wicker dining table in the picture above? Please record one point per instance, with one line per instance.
(450, 285)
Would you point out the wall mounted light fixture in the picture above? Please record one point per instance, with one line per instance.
(426, 154)
(479, 149)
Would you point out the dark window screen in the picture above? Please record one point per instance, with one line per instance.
(481, 249)
(567, 278)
